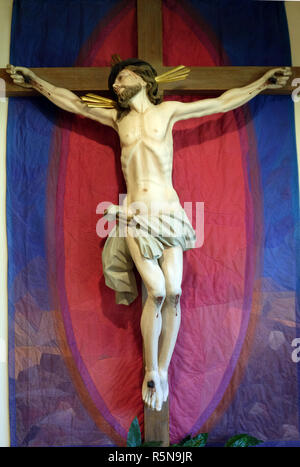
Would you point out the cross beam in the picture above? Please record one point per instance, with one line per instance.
(202, 80)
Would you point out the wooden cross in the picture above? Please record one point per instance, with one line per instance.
(202, 80)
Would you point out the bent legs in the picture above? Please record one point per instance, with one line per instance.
(160, 319)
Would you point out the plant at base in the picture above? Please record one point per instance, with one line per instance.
(134, 439)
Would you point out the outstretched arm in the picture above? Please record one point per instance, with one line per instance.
(61, 97)
(233, 98)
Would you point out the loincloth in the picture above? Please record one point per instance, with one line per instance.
(153, 233)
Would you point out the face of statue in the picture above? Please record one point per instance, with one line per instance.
(127, 85)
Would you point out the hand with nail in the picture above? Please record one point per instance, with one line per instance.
(20, 75)
(277, 77)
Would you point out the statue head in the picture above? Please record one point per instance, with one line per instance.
(143, 70)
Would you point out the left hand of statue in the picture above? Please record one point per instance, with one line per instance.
(277, 78)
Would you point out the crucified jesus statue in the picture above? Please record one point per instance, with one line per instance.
(144, 124)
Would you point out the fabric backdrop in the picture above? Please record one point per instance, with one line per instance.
(75, 357)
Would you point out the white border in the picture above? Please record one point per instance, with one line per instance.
(5, 26)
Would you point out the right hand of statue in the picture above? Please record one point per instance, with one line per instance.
(20, 75)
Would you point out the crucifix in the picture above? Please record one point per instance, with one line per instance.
(204, 80)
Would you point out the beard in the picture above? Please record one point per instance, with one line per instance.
(128, 93)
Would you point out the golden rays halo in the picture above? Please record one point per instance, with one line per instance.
(178, 73)
(94, 100)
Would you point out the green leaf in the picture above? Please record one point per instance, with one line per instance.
(134, 438)
(184, 440)
(198, 441)
(242, 441)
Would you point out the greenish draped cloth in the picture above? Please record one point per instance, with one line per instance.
(153, 233)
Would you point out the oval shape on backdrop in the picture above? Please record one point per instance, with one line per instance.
(103, 338)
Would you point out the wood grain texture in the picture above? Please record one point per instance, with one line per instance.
(79, 79)
(216, 80)
(156, 426)
(149, 21)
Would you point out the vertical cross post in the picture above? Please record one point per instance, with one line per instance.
(149, 25)
(149, 17)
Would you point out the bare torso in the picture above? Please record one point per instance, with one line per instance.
(147, 157)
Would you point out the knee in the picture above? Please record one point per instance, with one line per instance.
(173, 295)
(157, 296)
